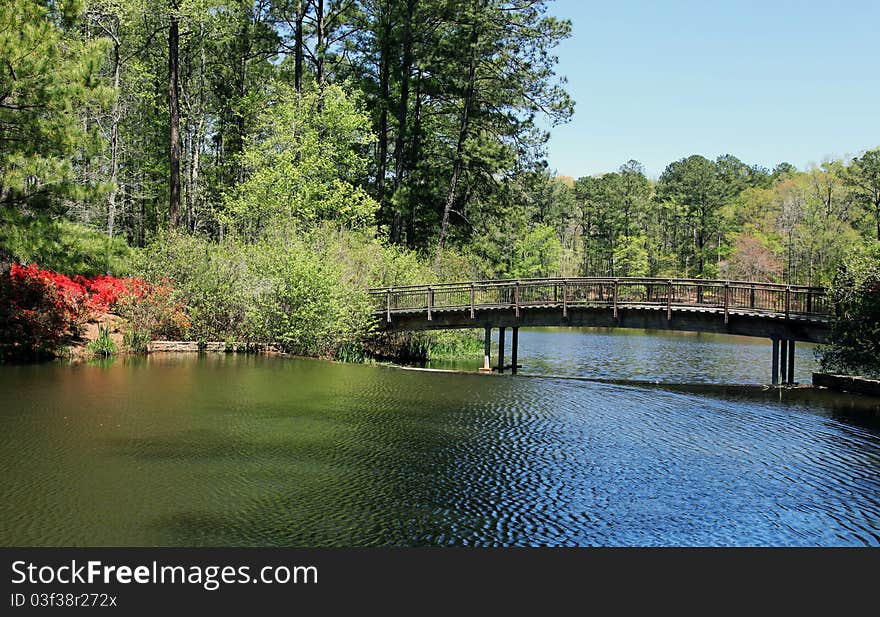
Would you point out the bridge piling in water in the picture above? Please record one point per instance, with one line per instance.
(501, 349)
(783, 361)
(774, 371)
(514, 349)
(487, 351)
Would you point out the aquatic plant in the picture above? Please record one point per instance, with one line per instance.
(136, 341)
(103, 345)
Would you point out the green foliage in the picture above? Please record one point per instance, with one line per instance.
(48, 82)
(103, 345)
(631, 256)
(302, 164)
(60, 245)
(854, 346)
(863, 175)
(305, 308)
(285, 292)
(422, 346)
(307, 294)
(536, 254)
(610, 209)
(699, 188)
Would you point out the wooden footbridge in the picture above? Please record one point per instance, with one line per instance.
(782, 313)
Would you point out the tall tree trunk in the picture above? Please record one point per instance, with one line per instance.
(195, 140)
(877, 217)
(174, 108)
(462, 136)
(114, 144)
(402, 109)
(298, 46)
(384, 78)
(320, 43)
(414, 154)
(244, 51)
(142, 214)
(701, 244)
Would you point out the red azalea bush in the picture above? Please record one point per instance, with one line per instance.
(103, 291)
(40, 309)
(35, 315)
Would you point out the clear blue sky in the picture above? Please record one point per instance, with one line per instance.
(765, 81)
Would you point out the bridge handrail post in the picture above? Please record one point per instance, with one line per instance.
(565, 299)
(726, 301)
(752, 296)
(430, 301)
(669, 300)
(516, 298)
(616, 283)
(388, 305)
(787, 300)
(472, 301)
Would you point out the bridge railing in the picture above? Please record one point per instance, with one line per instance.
(726, 296)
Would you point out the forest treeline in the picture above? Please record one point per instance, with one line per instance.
(358, 142)
(414, 118)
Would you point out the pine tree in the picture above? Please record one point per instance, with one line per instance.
(49, 81)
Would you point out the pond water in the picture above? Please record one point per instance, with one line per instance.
(241, 450)
(639, 355)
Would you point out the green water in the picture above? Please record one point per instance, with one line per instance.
(241, 450)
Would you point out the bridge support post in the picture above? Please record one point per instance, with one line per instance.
(501, 349)
(487, 352)
(783, 360)
(514, 349)
(791, 361)
(774, 371)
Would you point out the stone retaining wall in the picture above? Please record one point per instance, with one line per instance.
(847, 383)
(193, 346)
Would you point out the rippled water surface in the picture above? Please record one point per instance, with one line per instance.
(690, 357)
(234, 450)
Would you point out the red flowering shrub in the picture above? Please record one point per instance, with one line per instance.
(69, 297)
(103, 291)
(36, 315)
(40, 310)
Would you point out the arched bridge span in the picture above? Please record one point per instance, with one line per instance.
(782, 313)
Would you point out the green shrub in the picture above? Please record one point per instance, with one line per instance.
(854, 340)
(305, 292)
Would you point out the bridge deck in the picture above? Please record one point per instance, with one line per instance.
(744, 308)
